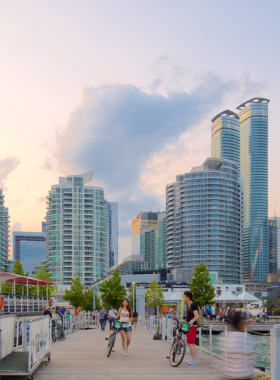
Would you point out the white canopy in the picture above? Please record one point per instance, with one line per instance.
(228, 297)
(172, 296)
(245, 296)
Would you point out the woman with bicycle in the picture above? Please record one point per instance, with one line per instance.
(125, 316)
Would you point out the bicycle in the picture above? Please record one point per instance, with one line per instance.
(178, 348)
(116, 326)
(57, 331)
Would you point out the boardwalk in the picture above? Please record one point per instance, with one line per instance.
(82, 356)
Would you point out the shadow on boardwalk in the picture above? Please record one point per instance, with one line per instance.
(83, 356)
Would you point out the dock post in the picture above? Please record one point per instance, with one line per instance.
(210, 342)
(275, 370)
(151, 324)
(163, 328)
(200, 342)
(24, 333)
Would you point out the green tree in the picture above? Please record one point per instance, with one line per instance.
(112, 291)
(201, 287)
(89, 304)
(42, 274)
(130, 295)
(76, 295)
(154, 295)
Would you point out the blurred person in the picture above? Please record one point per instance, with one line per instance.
(238, 354)
(46, 311)
(102, 316)
(125, 316)
(112, 315)
(135, 318)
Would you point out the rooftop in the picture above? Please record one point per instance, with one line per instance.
(227, 113)
(253, 101)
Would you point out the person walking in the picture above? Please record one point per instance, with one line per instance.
(112, 315)
(238, 354)
(125, 316)
(192, 317)
(135, 319)
(102, 316)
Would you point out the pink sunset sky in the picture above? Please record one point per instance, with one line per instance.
(126, 89)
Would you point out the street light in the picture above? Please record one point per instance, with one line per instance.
(133, 295)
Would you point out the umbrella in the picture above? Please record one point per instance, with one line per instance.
(245, 296)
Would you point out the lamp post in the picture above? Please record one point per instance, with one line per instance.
(133, 295)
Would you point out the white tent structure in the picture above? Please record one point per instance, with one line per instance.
(245, 296)
(172, 296)
(228, 297)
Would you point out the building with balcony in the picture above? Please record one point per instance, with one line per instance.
(225, 141)
(274, 241)
(129, 265)
(141, 220)
(76, 237)
(253, 118)
(4, 233)
(203, 219)
(112, 233)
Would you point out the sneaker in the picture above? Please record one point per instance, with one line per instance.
(125, 353)
(191, 362)
(126, 350)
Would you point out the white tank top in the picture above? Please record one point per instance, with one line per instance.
(124, 316)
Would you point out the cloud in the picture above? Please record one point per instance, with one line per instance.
(16, 227)
(136, 141)
(7, 165)
(48, 164)
(42, 199)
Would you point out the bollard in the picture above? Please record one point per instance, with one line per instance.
(79, 323)
(169, 329)
(200, 342)
(210, 342)
(275, 370)
(163, 328)
(151, 324)
(24, 333)
(71, 324)
(142, 322)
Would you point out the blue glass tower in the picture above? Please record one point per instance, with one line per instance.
(225, 142)
(253, 117)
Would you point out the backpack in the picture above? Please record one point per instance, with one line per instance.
(200, 320)
(157, 336)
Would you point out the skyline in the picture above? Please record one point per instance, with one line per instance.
(158, 101)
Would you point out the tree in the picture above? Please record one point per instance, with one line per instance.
(8, 288)
(154, 295)
(112, 291)
(130, 295)
(42, 274)
(89, 305)
(201, 287)
(76, 295)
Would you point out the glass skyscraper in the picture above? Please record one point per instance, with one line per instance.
(149, 245)
(203, 219)
(29, 248)
(76, 241)
(143, 219)
(225, 142)
(161, 259)
(253, 117)
(112, 234)
(4, 233)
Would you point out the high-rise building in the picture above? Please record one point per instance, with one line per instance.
(143, 219)
(161, 259)
(203, 223)
(149, 245)
(4, 233)
(225, 140)
(76, 242)
(274, 244)
(112, 234)
(253, 118)
(29, 248)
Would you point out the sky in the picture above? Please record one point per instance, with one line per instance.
(126, 89)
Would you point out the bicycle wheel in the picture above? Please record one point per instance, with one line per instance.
(60, 333)
(53, 336)
(177, 352)
(111, 343)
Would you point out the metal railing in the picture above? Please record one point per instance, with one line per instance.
(14, 303)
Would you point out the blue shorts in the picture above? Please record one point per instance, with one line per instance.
(129, 328)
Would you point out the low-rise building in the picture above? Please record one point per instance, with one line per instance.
(130, 264)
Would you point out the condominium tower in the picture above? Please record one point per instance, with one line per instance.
(4, 233)
(112, 233)
(274, 244)
(203, 219)
(76, 230)
(253, 117)
(143, 219)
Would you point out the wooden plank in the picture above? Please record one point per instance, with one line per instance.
(83, 356)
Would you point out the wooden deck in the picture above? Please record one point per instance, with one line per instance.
(82, 356)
